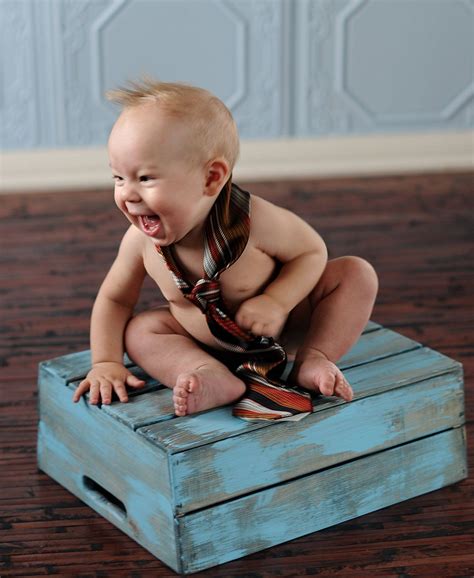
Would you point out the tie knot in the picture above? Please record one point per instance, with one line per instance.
(205, 291)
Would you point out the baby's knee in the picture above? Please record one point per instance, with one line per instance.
(361, 273)
(143, 325)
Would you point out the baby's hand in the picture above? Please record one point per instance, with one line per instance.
(261, 315)
(105, 377)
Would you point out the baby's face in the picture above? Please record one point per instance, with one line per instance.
(156, 189)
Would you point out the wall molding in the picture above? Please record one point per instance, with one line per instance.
(87, 168)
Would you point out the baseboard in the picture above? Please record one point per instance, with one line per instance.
(68, 169)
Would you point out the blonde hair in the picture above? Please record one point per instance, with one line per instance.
(212, 128)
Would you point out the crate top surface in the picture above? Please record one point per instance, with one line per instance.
(381, 361)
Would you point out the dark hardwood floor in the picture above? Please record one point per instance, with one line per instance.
(418, 232)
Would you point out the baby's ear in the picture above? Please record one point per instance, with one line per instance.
(218, 172)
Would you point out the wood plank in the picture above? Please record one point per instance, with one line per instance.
(73, 366)
(381, 375)
(151, 386)
(375, 343)
(127, 481)
(221, 533)
(143, 410)
(220, 471)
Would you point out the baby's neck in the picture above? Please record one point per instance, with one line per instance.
(193, 241)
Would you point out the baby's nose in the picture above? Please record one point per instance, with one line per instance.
(129, 192)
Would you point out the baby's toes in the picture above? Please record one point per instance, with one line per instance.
(327, 384)
(180, 398)
(180, 408)
(343, 389)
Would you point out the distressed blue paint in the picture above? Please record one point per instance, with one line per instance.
(204, 489)
(72, 366)
(149, 514)
(321, 500)
(121, 464)
(48, 441)
(238, 465)
(144, 408)
(377, 345)
(399, 370)
(218, 423)
(367, 379)
(105, 438)
(140, 511)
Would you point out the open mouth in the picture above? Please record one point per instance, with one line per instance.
(150, 224)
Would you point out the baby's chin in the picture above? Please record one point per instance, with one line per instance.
(162, 241)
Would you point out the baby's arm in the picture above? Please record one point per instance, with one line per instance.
(288, 239)
(112, 309)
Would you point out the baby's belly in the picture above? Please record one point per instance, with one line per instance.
(245, 279)
(194, 322)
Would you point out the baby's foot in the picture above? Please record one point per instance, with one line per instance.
(317, 373)
(206, 387)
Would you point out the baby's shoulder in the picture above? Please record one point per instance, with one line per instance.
(133, 244)
(261, 209)
(276, 230)
(265, 215)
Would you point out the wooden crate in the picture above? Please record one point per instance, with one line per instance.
(201, 490)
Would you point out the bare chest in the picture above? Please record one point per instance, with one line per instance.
(247, 277)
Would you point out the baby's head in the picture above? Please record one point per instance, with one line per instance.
(209, 128)
(171, 151)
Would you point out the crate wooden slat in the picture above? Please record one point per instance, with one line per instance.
(79, 444)
(204, 489)
(231, 530)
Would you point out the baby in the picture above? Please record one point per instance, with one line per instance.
(172, 151)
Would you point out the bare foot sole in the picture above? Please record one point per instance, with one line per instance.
(323, 376)
(205, 388)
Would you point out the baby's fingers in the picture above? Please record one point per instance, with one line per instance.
(242, 321)
(94, 392)
(121, 390)
(105, 392)
(257, 329)
(133, 381)
(81, 389)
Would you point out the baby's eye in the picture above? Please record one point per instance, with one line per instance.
(145, 178)
(117, 179)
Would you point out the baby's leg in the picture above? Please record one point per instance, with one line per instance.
(340, 306)
(164, 349)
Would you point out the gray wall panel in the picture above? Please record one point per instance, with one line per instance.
(285, 67)
(384, 65)
(19, 103)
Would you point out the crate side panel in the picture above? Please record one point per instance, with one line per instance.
(239, 465)
(116, 472)
(232, 530)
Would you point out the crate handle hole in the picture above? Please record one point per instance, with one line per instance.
(104, 497)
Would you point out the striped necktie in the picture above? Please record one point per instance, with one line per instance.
(259, 361)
